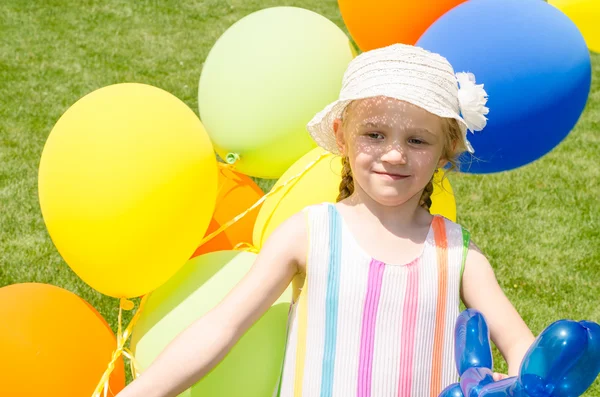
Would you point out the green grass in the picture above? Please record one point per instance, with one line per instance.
(539, 225)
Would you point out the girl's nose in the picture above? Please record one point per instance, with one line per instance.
(394, 155)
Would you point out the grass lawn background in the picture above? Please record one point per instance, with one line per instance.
(538, 225)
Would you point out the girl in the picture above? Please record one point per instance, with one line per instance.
(377, 278)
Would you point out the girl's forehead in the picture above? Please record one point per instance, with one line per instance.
(390, 112)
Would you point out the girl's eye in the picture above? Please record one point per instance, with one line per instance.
(417, 141)
(375, 135)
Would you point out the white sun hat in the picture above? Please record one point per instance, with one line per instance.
(409, 74)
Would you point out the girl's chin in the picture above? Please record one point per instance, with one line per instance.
(390, 197)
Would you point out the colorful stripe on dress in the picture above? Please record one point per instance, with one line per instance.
(367, 340)
(302, 328)
(409, 323)
(441, 247)
(332, 302)
(466, 239)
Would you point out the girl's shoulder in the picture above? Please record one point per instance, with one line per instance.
(451, 222)
(289, 240)
(455, 225)
(296, 226)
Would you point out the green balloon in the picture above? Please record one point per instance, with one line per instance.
(253, 366)
(264, 80)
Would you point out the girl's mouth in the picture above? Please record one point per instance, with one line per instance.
(392, 176)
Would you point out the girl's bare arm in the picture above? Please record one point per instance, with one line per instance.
(200, 347)
(480, 291)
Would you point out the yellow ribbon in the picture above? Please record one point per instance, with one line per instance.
(263, 198)
(134, 366)
(103, 386)
(246, 247)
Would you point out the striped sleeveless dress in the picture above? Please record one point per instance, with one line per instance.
(361, 327)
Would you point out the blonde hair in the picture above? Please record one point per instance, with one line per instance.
(453, 147)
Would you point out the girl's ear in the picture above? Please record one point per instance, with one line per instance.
(442, 162)
(339, 135)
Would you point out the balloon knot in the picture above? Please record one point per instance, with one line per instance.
(232, 158)
(126, 304)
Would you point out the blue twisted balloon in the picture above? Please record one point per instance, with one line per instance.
(563, 361)
(453, 390)
(472, 341)
(583, 373)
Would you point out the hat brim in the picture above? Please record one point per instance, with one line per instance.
(320, 127)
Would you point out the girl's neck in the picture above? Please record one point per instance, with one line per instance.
(396, 218)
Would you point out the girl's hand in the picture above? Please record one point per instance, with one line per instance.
(498, 376)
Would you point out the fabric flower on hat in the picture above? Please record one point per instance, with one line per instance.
(472, 99)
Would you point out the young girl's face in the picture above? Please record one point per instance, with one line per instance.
(393, 147)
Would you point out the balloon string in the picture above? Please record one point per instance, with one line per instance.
(134, 366)
(227, 170)
(122, 337)
(263, 198)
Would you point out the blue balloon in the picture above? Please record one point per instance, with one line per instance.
(509, 387)
(453, 390)
(564, 360)
(535, 67)
(473, 380)
(584, 372)
(472, 342)
(551, 356)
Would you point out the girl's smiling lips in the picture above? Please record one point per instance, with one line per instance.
(391, 175)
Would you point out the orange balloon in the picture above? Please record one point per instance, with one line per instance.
(53, 344)
(379, 23)
(218, 243)
(236, 193)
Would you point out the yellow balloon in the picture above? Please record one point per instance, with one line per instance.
(442, 199)
(585, 14)
(127, 187)
(321, 184)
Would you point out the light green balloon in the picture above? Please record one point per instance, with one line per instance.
(264, 80)
(252, 367)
